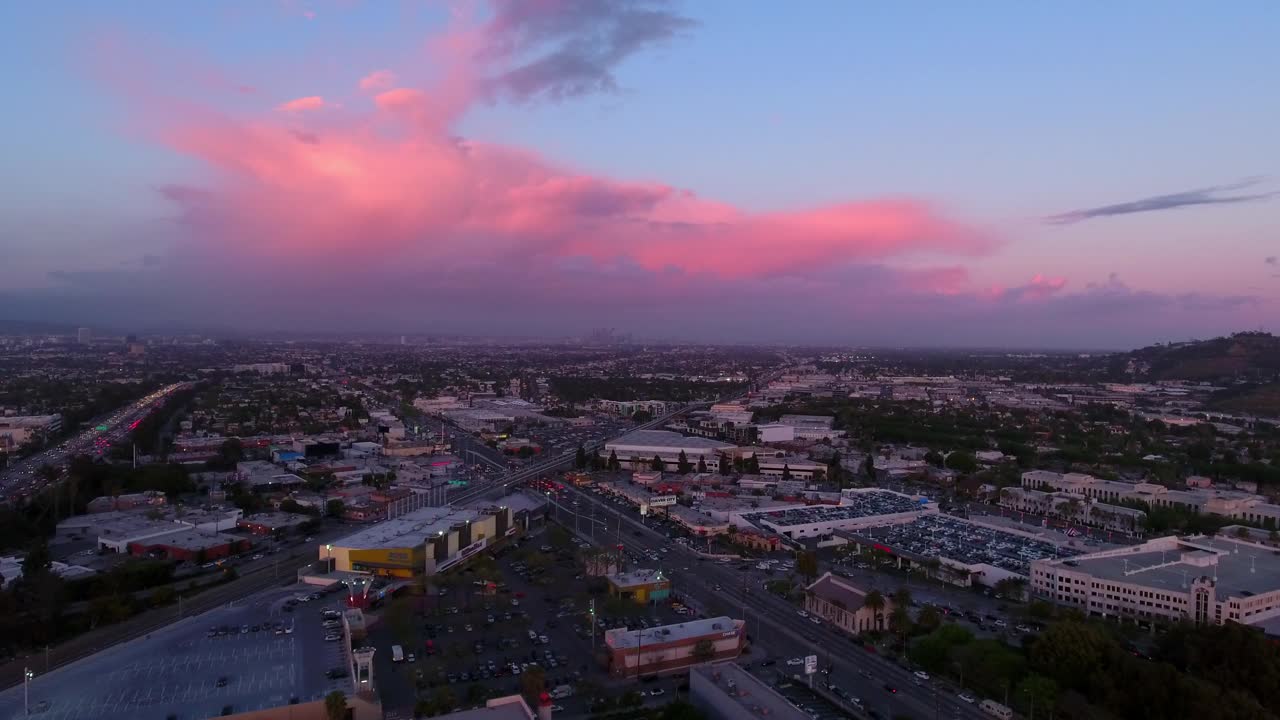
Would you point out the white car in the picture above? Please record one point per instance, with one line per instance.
(922, 675)
(796, 661)
(656, 692)
(332, 637)
(967, 698)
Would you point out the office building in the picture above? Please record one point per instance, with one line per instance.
(84, 336)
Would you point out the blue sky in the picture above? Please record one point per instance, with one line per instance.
(1000, 113)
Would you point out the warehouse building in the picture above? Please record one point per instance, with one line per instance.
(636, 450)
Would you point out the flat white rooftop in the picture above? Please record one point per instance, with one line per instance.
(407, 530)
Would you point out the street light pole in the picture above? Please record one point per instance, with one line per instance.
(26, 681)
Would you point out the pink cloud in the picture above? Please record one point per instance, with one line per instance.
(378, 80)
(393, 181)
(302, 104)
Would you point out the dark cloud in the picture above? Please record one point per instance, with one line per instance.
(1271, 260)
(1203, 196)
(570, 48)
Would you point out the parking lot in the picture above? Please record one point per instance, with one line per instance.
(484, 629)
(968, 543)
(252, 655)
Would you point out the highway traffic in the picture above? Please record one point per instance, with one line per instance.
(25, 478)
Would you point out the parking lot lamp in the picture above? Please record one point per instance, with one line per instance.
(26, 681)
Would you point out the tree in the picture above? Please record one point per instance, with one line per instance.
(614, 464)
(835, 472)
(1039, 692)
(335, 508)
(752, 465)
(875, 601)
(682, 464)
(934, 458)
(702, 466)
(559, 537)
(580, 460)
(704, 651)
(37, 562)
(443, 700)
(807, 564)
(962, 461)
(929, 618)
(726, 465)
(870, 466)
(786, 472)
(533, 682)
(335, 705)
(657, 465)
(902, 596)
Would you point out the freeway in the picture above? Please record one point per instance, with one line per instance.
(776, 624)
(24, 479)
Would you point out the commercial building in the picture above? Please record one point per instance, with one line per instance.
(753, 539)
(811, 427)
(18, 430)
(843, 604)
(640, 586)
(11, 569)
(129, 501)
(1205, 580)
(725, 691)
(627, 408)
(424, 541)
(262, 476)
(1075, 509)
(189, 546)
(636, 450)
(271, 523)
(114, 530)
(1235, 504)
(858, 508)
(669, 648)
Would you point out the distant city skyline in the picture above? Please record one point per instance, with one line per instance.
(689, 171)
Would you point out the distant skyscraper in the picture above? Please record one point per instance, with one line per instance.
(402, 340)
(84, 336)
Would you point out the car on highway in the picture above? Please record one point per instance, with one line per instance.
(795, 661)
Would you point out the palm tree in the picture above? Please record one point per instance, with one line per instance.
(875, 601)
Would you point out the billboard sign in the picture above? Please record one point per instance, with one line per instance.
(656, 501)
(810, 664)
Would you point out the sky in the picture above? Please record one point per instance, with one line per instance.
(920, 174)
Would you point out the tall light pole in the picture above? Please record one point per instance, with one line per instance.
(27, 675)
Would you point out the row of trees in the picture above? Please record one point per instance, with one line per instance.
(1077, 666)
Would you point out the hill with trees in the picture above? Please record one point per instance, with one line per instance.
(1247, 363)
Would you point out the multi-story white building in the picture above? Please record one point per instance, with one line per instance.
(1198, 579)
(1074, 508)
(1227, 503)
(627, 408)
